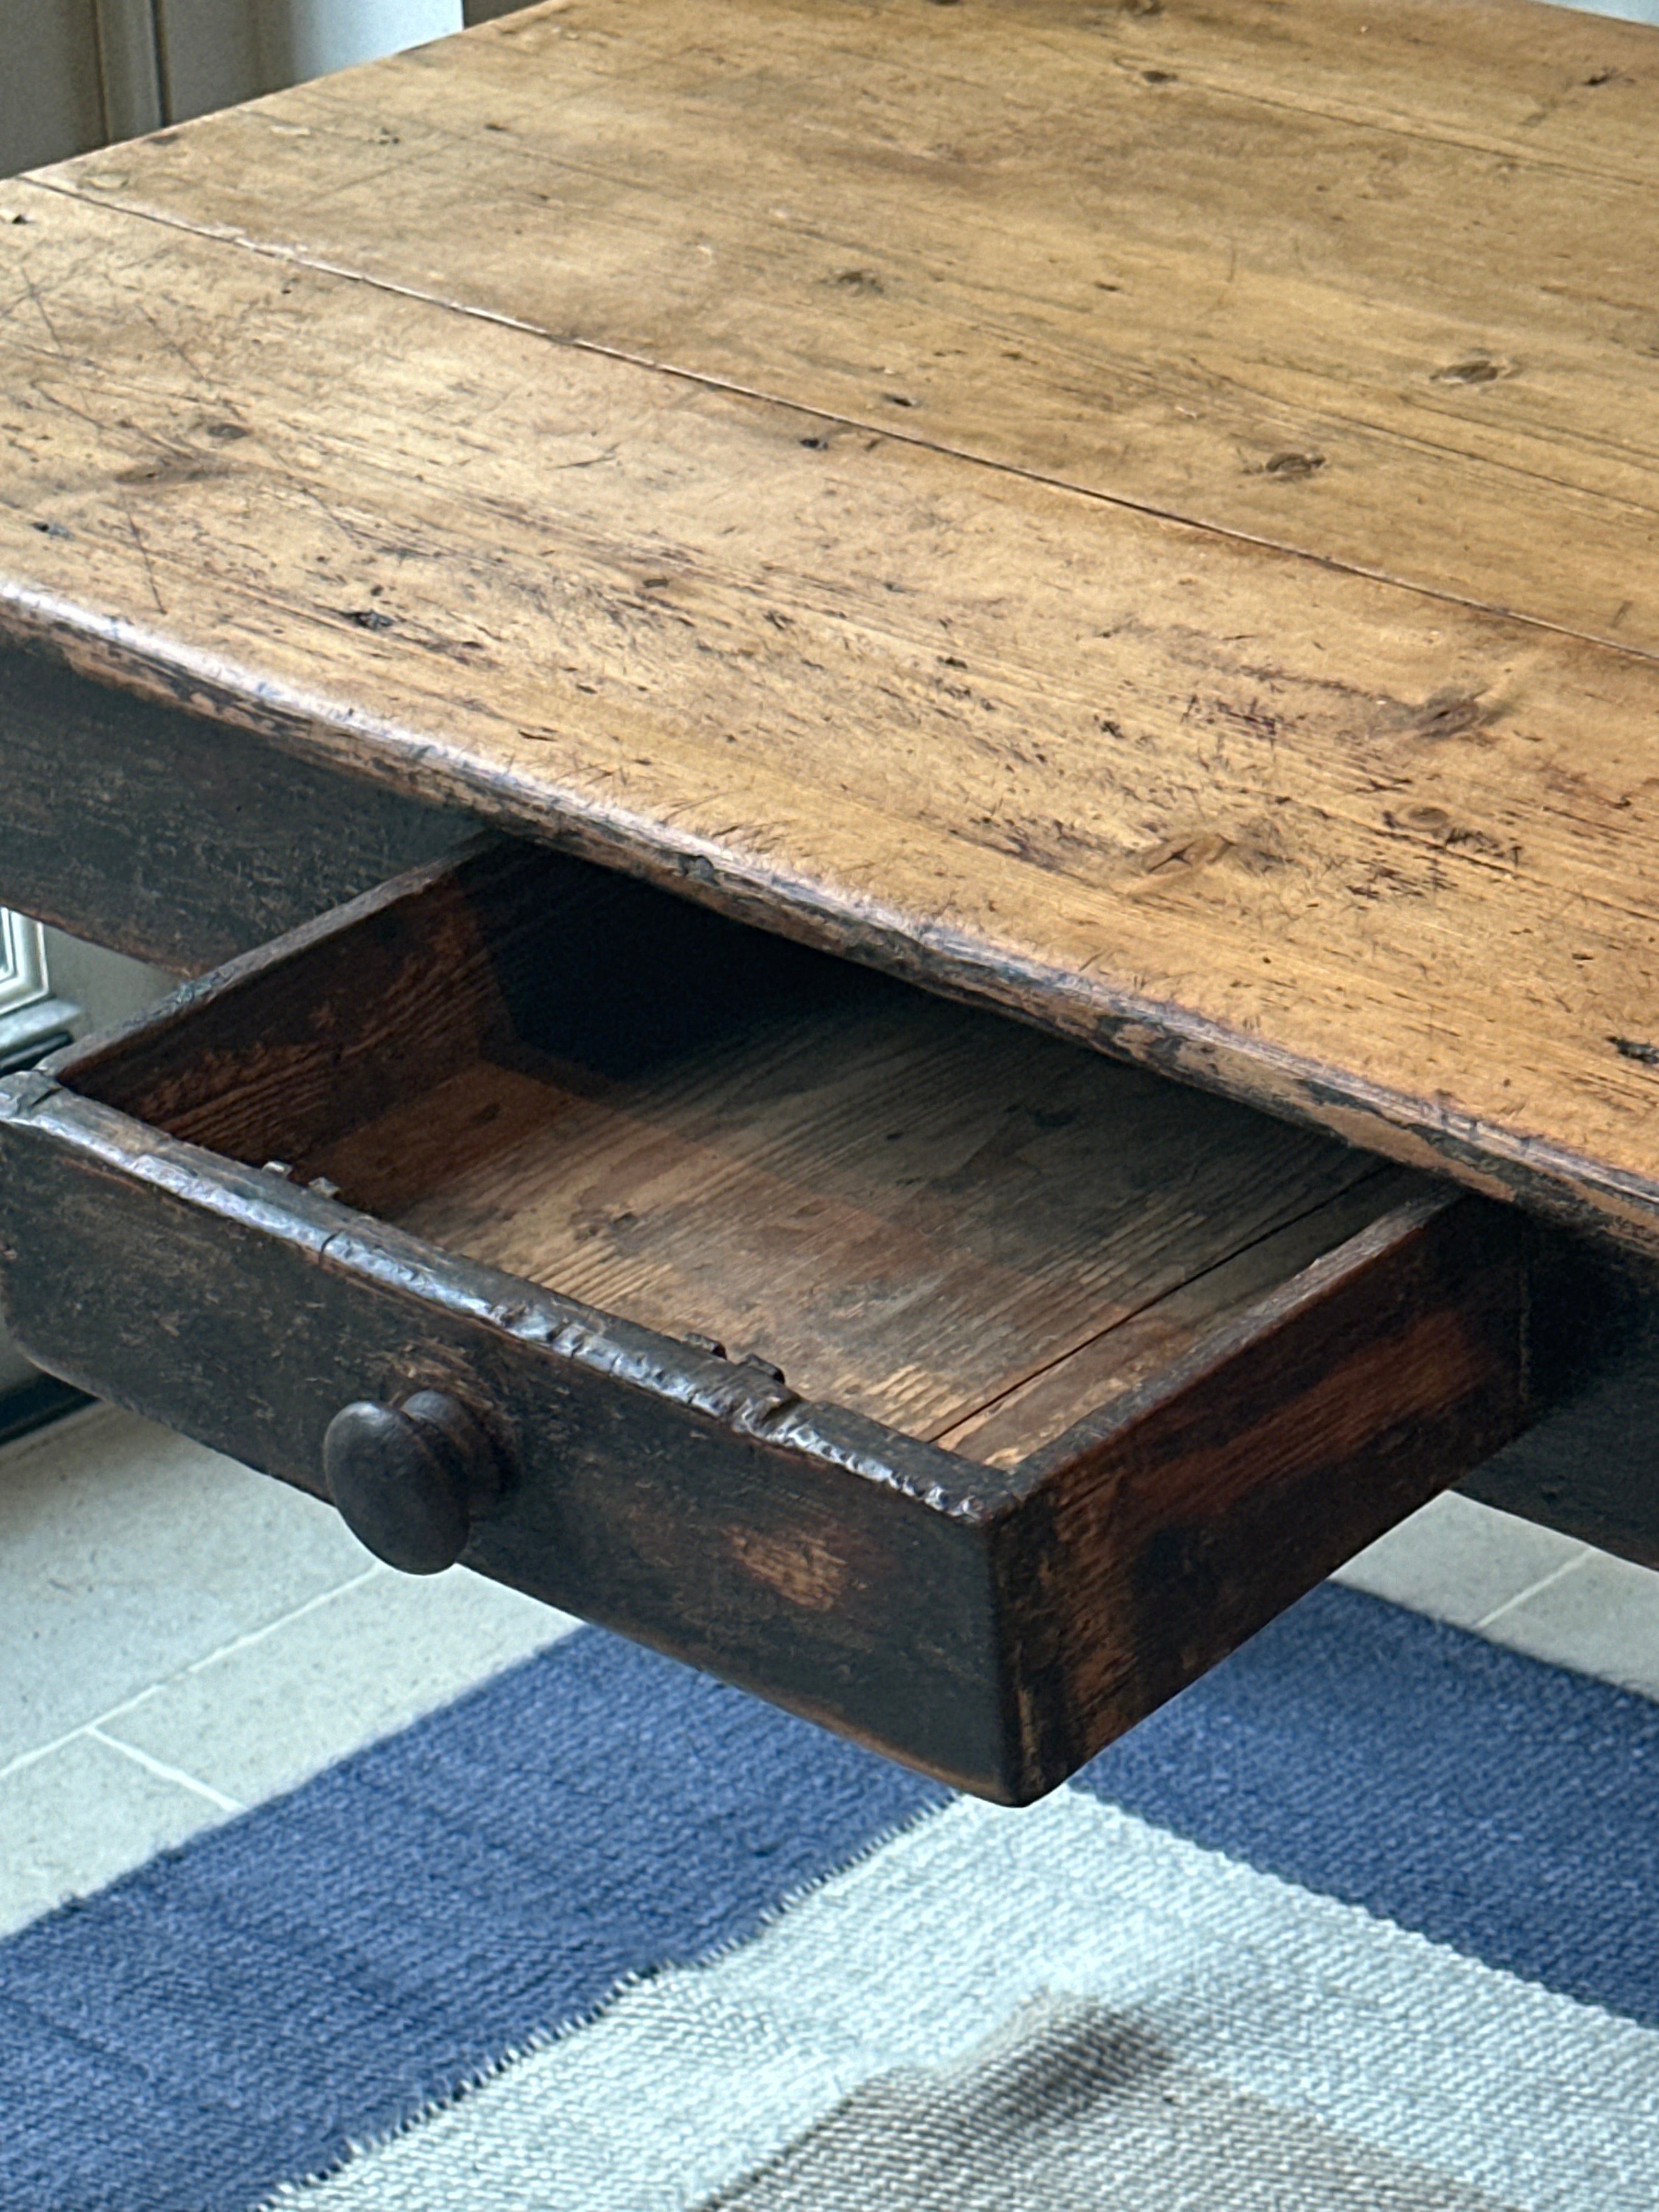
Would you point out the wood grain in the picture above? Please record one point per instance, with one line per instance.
(1061, 238)
(1335, 842)
(909, 1209)
(1245, 1470)
(915, 1210)
(1128, 1354)
(176, 838)
(688, 1503)
(1295, 1393)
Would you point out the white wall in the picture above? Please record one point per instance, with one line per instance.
(216, 52)
(308, 38)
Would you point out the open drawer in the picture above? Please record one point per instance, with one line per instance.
(501, 1202)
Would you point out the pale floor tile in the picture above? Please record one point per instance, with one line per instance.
(180, 1637)
(1461, 1561)
(125, 1553)
(1522, 1586)
(79, 1816)
(263, 1715)
(1600, 1618)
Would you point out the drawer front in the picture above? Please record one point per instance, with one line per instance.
(991, 1598)
(687, 1502)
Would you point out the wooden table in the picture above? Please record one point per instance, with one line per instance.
(1136, 519)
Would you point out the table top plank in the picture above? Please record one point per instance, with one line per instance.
(1361, 847)
(1135, 255)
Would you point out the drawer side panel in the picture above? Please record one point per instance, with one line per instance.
(1155, 1541)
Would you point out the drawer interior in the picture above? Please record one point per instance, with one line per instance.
(1088, 1374)
(925, 1212)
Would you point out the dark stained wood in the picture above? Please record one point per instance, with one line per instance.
(1223, 1488)
(1311, 1348)
(1131, 1352)
(505, 947)
(1591, 1467)
(414, 1479)
(173, 837)
(687, 1501)
(912, 1208)
(975, 1625)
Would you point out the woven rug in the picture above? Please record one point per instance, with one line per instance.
(1366, 1920)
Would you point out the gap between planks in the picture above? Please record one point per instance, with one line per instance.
(964, 1424)
(734, 388)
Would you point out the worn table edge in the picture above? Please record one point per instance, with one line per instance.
(1539, 1173)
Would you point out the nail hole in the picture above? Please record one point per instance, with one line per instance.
(1476, 369)
(1294, 467)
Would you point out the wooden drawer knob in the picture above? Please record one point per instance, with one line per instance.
(409, 1480)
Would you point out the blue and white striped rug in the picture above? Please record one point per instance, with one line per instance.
(1367, 1920)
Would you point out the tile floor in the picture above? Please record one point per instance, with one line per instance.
(180, 1639)
(1547, 1595)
